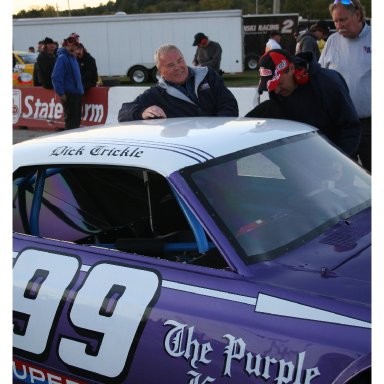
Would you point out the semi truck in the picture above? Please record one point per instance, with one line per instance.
(257, 29)
(124, 44)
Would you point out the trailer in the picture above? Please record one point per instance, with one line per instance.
(124, 44)
(257, 29)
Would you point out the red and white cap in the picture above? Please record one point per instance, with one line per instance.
(271, 65)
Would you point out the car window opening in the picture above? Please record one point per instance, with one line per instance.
(130, 210)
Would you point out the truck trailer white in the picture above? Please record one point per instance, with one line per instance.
(124, 44)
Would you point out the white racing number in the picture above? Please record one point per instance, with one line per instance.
(39, 280)
(112, 301)
(287, 26)
(107, 309)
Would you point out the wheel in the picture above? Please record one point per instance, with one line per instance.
(251, 62)
(138, 75)
(155, 74)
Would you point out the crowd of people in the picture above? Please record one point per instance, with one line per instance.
(326, 83)
(70, 71)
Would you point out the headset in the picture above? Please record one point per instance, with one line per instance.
(301, 75)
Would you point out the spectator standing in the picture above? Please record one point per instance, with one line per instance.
(181, 91)
(44, 65)
(273, 41)
(299, 89)
(88, 68)
(321, 31)
(66, 79)
(208, 53)
(348, 51)
(307, 42)
(40, 46)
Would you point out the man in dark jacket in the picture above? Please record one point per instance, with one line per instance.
(208, 52)
(88, 68)
(66, 81)
(45, 63)
(181, 91)
(307, 42)
(299, 89)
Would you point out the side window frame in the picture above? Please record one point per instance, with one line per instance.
(33, 180)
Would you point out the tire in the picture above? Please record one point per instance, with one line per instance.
(138, 74)
(251, 62)
(155, 76)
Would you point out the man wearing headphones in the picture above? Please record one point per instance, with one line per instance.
(299, 89)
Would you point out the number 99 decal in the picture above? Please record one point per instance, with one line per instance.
(108, 308)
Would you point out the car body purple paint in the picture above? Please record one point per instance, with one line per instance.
(191, 251)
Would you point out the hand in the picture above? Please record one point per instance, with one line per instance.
(153, 112)
(63, 99)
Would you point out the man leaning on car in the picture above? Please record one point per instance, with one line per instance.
(181, 91)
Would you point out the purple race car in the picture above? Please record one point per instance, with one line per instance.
(203, 250)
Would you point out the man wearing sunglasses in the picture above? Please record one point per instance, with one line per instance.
(349, 52)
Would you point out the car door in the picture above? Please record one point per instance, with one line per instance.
(112, 277)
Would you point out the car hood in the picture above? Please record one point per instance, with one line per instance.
(335, 264)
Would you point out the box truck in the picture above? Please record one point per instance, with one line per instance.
(124, 44)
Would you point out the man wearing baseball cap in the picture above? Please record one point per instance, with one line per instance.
(66, 80)
(44, 64)
(274, 41)
(299, 89)
(208, 53)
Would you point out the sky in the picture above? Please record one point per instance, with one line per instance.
(19, 5)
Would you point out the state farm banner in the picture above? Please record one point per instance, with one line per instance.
(36, 107)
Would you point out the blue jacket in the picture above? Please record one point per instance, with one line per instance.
(210, 98)
(324, 102)
(66, 77)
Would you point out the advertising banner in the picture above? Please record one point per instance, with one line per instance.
(36, 107)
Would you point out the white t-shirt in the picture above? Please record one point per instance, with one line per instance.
(352, 58)
(272, 44)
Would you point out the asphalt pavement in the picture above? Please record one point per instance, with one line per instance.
(26, 134)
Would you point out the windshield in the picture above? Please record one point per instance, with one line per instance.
(28, 58)
(272, 198)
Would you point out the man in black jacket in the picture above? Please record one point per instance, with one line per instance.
(88, 68)
(45, 63)
(181, 91)
(299, 89)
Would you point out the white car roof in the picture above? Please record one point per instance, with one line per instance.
(163, 145)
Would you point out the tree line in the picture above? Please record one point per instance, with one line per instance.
(308, 9)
